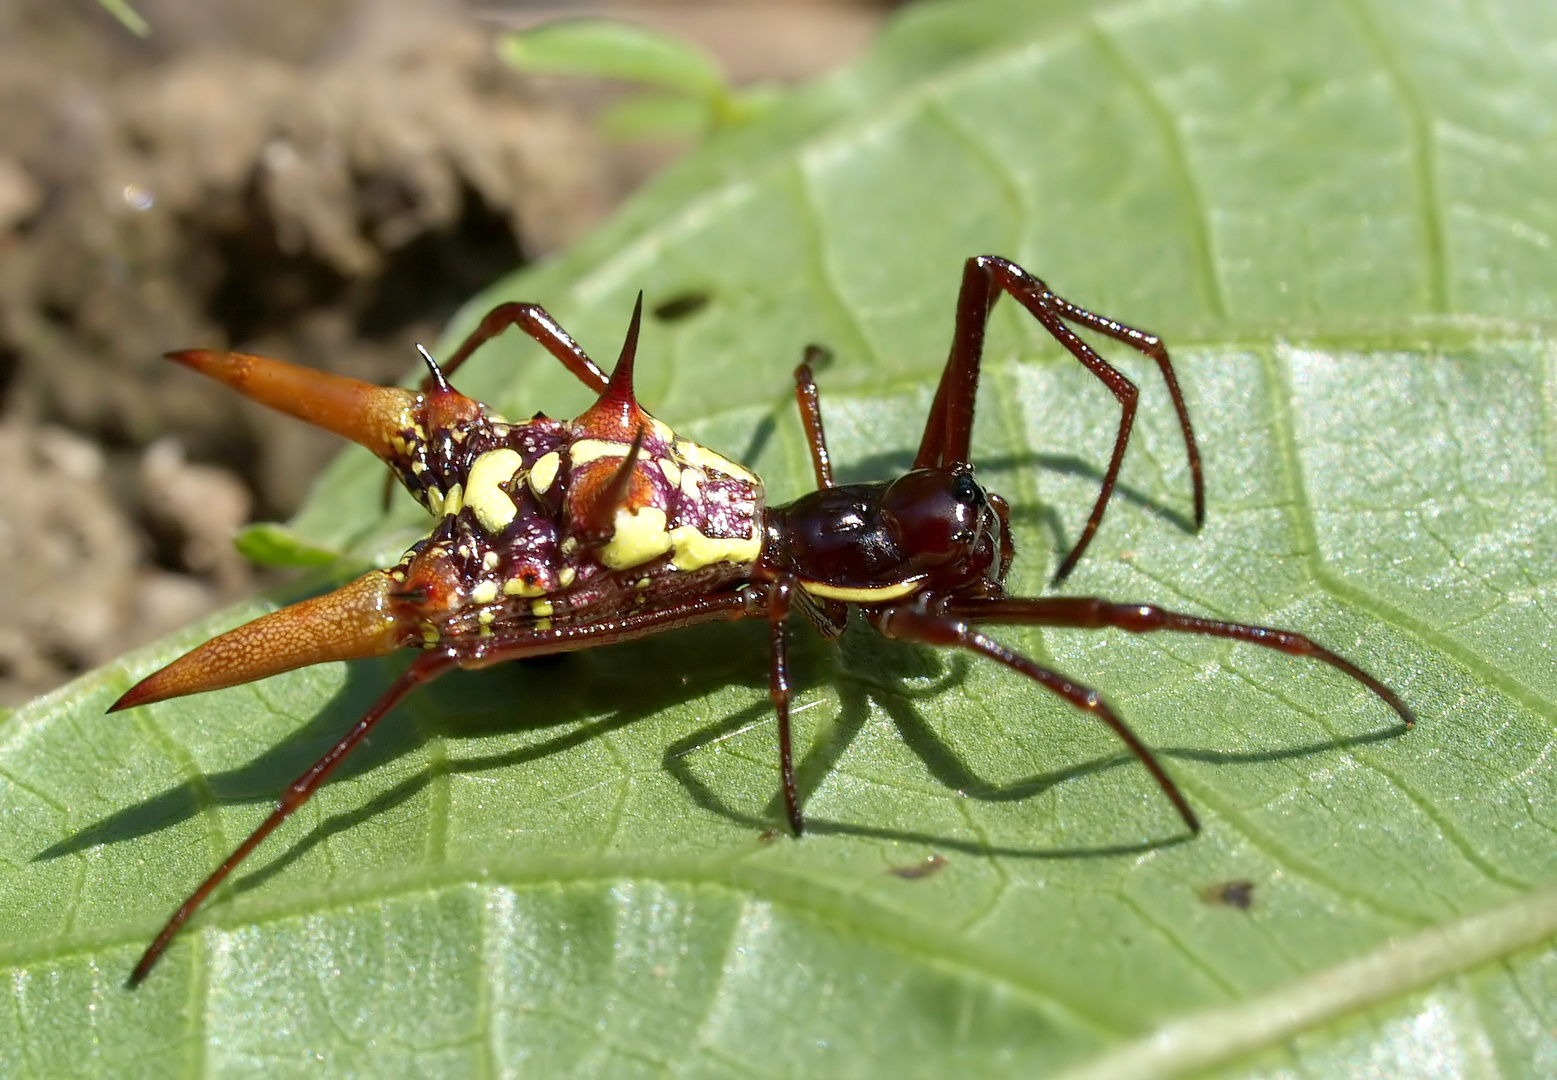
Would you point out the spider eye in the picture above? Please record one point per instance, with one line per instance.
(965, 491)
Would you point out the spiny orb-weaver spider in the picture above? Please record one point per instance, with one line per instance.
(553, 536)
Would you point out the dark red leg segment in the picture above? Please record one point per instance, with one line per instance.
(772, 602)
(1007, 545)
(535, 321)
(954, 397)
(1149, 345)
(779, 594)
(426, 668)
(948, 430)
(1091, 613)
(811, 413)
(911, 624)
(538, 323)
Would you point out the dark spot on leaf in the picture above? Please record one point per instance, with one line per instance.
(681, 305)
(932, 864)
(767, 836)
(1237, 894)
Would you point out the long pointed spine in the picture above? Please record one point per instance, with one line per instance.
(617, 411)
(372, 416)
(354, 621)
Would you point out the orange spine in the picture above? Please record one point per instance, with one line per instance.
(372, 416)
(354, 621)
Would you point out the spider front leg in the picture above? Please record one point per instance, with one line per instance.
(1093, 613)
(911, 623)
(948, 429)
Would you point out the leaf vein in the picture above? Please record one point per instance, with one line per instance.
(819, 266)
(1419, 120)
(1182, 171)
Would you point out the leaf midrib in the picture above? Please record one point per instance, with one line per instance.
(1224, 1033)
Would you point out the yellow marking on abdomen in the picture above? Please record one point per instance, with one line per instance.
(695, 551)
(690, 479)
(490, 503)
(443, 505)
(660, 430)
(544, 471)
(639, 536)
(879, 595)
(586, 450)
(692, 453)
(517, 586)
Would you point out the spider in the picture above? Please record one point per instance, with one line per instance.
(552, 536)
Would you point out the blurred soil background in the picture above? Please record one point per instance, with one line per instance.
(319, 180)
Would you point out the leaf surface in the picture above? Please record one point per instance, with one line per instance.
(1338, 214)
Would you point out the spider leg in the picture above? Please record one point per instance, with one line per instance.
(537, 322)
(424, 669)
(811, 413)
(909, 623)
(1007, 545)
(948, 429)
(1091, 613)
(721, 607)
(1149, 345)
(954, 396)
(779, 595)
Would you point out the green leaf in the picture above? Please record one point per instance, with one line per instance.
(608, 49)
(268, 543)
(1338, 214)
(128, 17)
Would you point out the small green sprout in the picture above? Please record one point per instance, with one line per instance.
(128, 17)
(690, 95)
